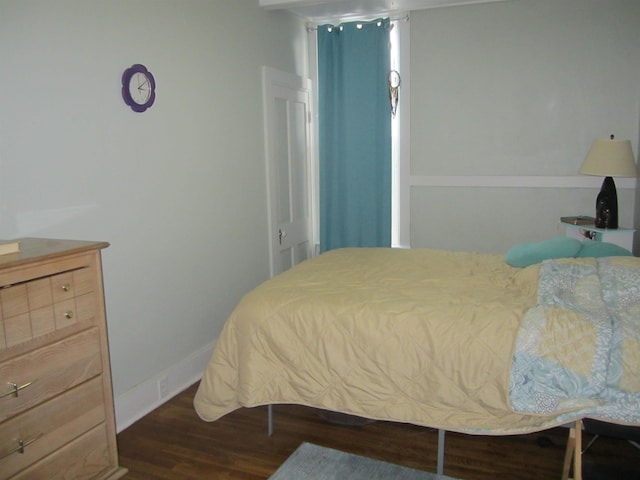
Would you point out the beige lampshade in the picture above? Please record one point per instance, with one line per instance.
(610, 158)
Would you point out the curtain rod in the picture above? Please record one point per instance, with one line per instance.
(404, 18)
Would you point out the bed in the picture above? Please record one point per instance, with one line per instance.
(456, 341)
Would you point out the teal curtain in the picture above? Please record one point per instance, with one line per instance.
(354, 135)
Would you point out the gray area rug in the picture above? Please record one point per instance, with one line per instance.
(311, 462)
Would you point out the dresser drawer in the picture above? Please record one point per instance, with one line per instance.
(85, 458)
(48, 371)
(31, 309)
(50, 426)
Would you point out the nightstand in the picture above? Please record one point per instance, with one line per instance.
(622, 237)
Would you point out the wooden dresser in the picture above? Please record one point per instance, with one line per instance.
(56, 402)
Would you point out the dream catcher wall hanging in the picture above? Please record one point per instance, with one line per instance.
(394, 84)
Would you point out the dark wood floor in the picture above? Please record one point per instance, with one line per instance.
(172, 443)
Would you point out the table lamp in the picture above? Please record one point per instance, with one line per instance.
(609, 158)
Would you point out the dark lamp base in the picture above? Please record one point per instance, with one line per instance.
(607, 205)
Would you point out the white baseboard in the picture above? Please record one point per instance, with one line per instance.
(145, 397)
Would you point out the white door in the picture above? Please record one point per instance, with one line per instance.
(288, 145)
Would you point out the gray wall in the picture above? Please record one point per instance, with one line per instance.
(517, 89)
(179, 191)
(636, 222)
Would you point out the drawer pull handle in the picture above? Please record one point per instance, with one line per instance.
(66, 287)
(22, 444)
(15, 389)
(68, 314)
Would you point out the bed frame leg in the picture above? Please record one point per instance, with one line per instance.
(440, 464)
(574, 451)
(441, 432)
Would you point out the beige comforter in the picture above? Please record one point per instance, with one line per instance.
(420, 336)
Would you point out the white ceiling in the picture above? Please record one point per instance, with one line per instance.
(323, 10)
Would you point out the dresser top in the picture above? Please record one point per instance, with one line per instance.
(38, 249)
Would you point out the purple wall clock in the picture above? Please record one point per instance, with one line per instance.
(138, 88)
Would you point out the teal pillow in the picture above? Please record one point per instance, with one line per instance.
(602, 249)
(525, 254)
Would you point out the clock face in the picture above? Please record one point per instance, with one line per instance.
(138, 88)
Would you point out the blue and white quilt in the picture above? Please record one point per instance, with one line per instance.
(577, 353)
